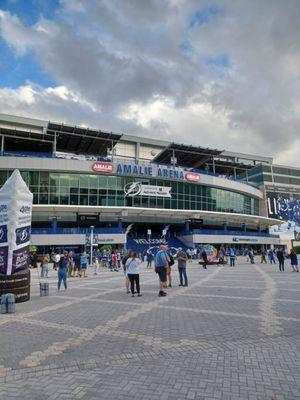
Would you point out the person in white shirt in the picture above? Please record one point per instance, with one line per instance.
(133, 273)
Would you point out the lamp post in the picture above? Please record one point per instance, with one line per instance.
(91, 241)
(149, 232)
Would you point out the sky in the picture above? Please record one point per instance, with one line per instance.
(223, 74)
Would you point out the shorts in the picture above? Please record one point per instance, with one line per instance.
(84, 266)
(162, 273)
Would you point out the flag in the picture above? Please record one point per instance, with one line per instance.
(128, 229)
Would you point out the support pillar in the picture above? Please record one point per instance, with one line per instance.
(120, 224)
(54, 224)
(225, 226)
(187, 227)
(244, 228)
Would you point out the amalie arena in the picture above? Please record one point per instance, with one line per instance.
(132, 191)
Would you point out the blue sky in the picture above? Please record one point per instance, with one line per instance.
(16, 71)
(213, 71)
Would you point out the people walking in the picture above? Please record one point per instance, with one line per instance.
(96, 265)
(123, 262)
(232, 257)
(294, 261)
(62, 271)
(263, 257)
(77, 265)
(182, 259)
(84, 262)
(271, 256)
(132, 267)
(251, 256)
(45, 266)
(280, 258)
(150, 258)
(204, 258)
(161, 265)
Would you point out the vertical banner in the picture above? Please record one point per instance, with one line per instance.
(15, 224)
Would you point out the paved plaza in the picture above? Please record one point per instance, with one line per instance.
(234, 333)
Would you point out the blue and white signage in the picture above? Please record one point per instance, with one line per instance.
(133, 189)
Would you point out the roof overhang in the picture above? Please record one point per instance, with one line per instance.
(186, 156)
(220, 217)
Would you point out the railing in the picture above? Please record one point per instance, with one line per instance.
(74, 231)
(117, 160)
(232, 233)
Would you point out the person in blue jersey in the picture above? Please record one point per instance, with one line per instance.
(161, 266)
(84, 262)
(294, 261)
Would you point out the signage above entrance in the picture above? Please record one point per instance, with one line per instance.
(133, 189)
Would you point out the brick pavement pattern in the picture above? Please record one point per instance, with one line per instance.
(232, 334)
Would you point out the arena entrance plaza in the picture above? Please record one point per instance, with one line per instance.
(232, 334)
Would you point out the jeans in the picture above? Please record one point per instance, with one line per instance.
(45, 270)
(182, 275)
(272, 260)
(134, 278)
(62, 276)
(281, 265)
(149, 263)
(232, 261)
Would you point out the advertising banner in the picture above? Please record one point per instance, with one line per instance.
(285, 207)
(133, 189)
(15, 224)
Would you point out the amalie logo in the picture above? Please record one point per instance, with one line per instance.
(192, 177)
(105, 167)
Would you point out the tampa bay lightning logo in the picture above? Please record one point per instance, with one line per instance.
(133, 189)
(22, 235)
(3, 233)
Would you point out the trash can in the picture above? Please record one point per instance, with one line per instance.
(44, 289)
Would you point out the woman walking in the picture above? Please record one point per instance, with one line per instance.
(294, 261)
(132, 267)
(45, 266)
(63, 271)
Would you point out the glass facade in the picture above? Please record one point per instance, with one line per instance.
(103, 190)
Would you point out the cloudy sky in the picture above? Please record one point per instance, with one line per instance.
(222, 74)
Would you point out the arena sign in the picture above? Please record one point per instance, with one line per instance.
(145, 170)
(133, 189)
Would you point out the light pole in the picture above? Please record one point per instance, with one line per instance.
(91, 241)
(149, 232)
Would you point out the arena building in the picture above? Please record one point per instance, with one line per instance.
(135, 191)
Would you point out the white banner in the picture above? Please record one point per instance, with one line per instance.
(133, 189)
(15, 224)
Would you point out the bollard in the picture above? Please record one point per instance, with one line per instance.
(44, 289)
(8, 302)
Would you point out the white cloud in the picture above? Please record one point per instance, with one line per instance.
(121, 65)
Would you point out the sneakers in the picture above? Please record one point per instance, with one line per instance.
(180, 284)
(140, 295)
(170, 285)
(162, 294)
(132, 295)
(185, 285)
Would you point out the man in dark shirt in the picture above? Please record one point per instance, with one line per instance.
(280, 257)
(204, 258)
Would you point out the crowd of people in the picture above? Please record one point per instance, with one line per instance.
(71, 264)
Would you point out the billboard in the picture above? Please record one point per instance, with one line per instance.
(285, 207)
